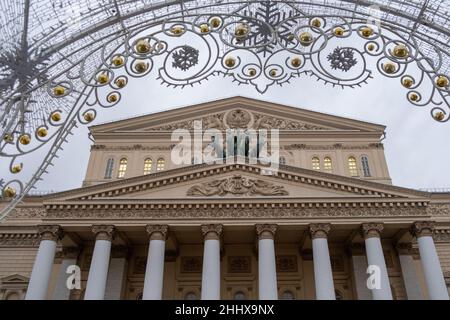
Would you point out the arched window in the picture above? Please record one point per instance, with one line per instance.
(239, 296)
(190, 296)
(282, 160)
(160, 164)
(122, 167)
(352, 167)
(287, 295)
(365, 166)
(109, 168)
(315, 162)
(328, 165)
(339, 295)
(148, 166)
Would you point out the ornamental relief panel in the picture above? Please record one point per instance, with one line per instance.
(286, 264)
(249, 213)
(239, 264)
(239, 118)
(191, 265)
(236, 185)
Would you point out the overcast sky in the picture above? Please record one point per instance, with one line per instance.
(417, 147)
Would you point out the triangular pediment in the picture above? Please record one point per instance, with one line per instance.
(234, 181)
(14, 279)
(237, 112)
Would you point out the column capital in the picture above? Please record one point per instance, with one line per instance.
(266, 231)
(404, 248)
(319, 230)
(50, 232)
(422, 229)
(157, 232)
(212, 231)
(372, 230)
(104, 232)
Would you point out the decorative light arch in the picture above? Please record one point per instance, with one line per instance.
(56, 75)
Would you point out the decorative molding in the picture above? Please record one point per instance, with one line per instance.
(212, 231)
(157, 232)
(442, 235)
(271, 122)
(372, 230)
(104, 232)
(27, 212)
(135, 147)
(439, 210)
(50, 232)
(227, 211)
(423, 229)
(19, 240)
(236, 185)
(297, 146)
(319, 230)
(266, 231)
(241, 264)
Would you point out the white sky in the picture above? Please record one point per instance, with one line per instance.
(417, 148)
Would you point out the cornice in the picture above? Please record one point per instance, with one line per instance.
(19, 239)
(285, 173)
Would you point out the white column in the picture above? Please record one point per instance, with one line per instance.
(323, 275)
(69, 258)
(431, 266)
(211, 262)
(267, 271)
(43, 264)
(98, 271)
(154, 273)
(409, 273)
(375, 258)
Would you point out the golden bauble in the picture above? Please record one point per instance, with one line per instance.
(407, 82)
(215, 22)
(118, 61)
(439, 116)
(8, 137)
(177, 30)
(252, 72)
(371, 47)
(56, 116)
(230, 62)
(9, 192)
(59, 91)
(120, 82)
(390, 68)
(25, 139)
(143, 46)
(89, 116)
(442, 82)
(16, 168)
(103, 78)
(339, 31)
(42, 132)
(141, 67)
(366, 32)
(296, 62)
(306, 39)
(241, 31)
(316, 23)
(273, 72)
(112, 97)
(414, 97)
(204, 28)
(401, 51)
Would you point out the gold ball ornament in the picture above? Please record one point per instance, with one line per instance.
(59, 91)
(89, 116)
(241, 31)
(177, 30)
(8, 137)
(120, 82)
(408, 82)
(366, 32)
(338, 31)
(204, 28)
(306, 39)
(25, 139)
(56, 116)
(118, 61)
(215, 22)
(16, 168)
(143, 46)
(103, 78)
(390, 68)
(252, 72)
(401, 51)
(316, 23)
(439, 116)
(371, 47)
(9, 192)
(141, 67)
(296, 62)
(230, 62)
(42, 132)
(273, 72)
(112, 97)
(414, 97)
(442, 82)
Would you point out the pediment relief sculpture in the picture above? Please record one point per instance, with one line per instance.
(237, 185)
(239, 118)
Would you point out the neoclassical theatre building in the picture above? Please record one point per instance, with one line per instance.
(143, 227)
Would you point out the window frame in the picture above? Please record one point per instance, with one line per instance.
(365, 166)
(353, 172)
(122, 171)
(330, 169)
(319, 167)
(158, 167)
(146, 170)
(110, 161)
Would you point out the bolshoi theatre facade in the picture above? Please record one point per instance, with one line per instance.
(144, 227)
